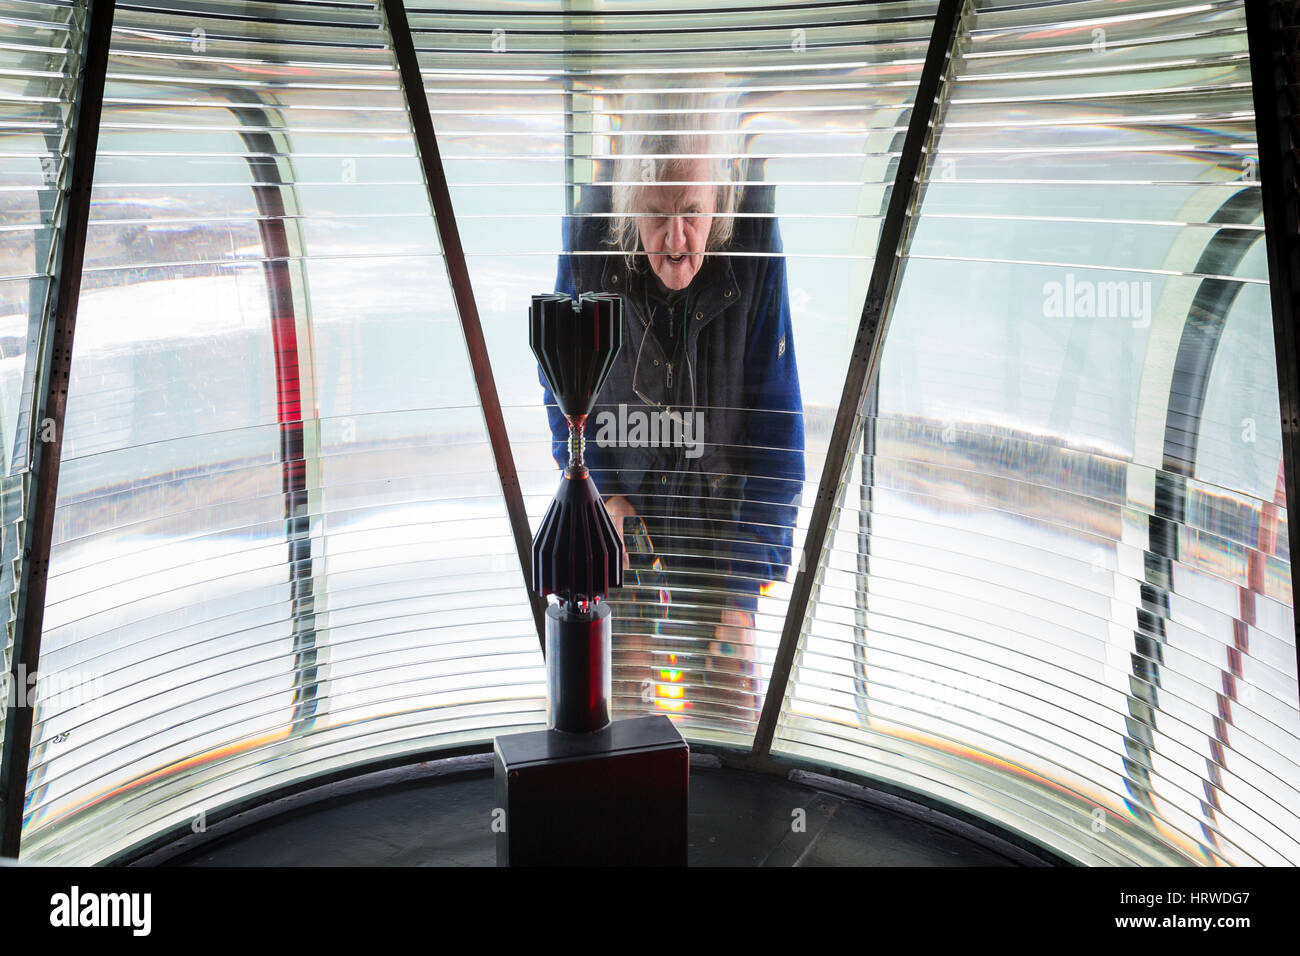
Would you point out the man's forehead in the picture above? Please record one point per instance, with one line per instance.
(663, 197)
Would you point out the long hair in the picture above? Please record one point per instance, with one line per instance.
(665, 132)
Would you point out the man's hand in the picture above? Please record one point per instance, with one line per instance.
(733, 660)
(734, 636)
(619, 508)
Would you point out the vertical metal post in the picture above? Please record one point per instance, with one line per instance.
(46, 432)
(861, 591)
(865, 358)
(462, 291)
(1271, 31)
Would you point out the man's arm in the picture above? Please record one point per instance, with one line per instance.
(774, 440)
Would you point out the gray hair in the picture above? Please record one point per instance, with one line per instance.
(664, 133)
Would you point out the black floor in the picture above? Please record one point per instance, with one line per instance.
(736, 819)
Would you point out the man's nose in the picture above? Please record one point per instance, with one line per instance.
(676, 238)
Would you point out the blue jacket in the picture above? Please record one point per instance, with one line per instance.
(721, 512)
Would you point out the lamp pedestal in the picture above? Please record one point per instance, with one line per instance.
(613, 797)
(585, 792)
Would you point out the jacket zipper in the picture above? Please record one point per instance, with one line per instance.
(670, 374)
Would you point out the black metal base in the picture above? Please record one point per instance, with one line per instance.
(579, 679)
(616, 797)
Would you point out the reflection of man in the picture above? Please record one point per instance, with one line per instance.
(707, 347)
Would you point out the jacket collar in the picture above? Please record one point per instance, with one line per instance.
(715, 285)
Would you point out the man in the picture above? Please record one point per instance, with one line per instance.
(707, 373)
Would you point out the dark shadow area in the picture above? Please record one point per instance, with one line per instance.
(737, 818)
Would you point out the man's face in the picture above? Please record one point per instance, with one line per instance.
(676, 223)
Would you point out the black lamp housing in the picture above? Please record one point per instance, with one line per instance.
(577, 552)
